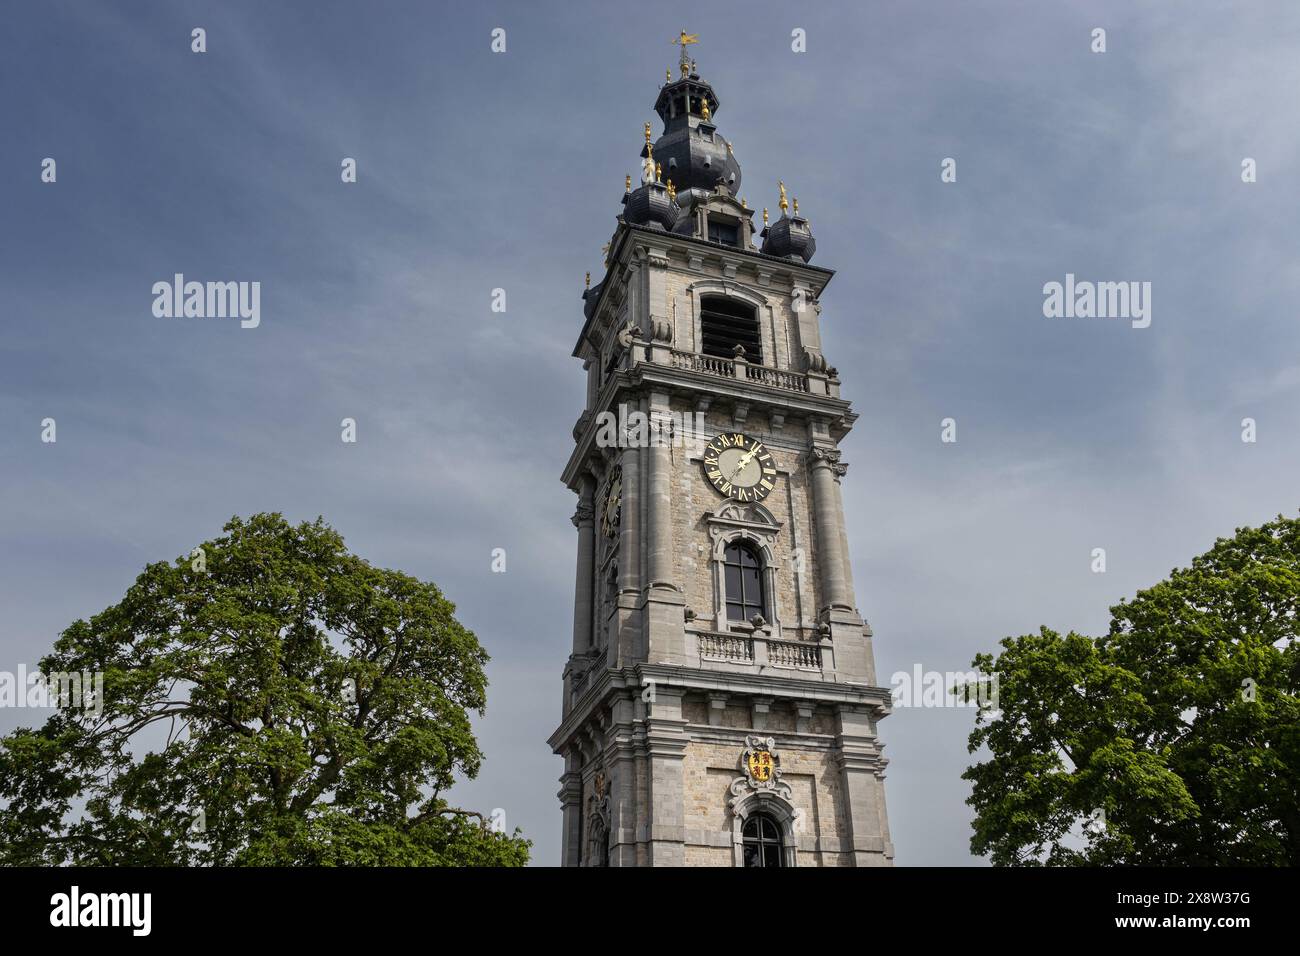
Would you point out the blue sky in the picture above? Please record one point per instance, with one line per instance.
(480, 171)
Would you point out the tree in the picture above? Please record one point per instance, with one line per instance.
(269, 699)
(1172, 741)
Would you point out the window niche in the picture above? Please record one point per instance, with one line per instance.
(726, 322)
(743, 538)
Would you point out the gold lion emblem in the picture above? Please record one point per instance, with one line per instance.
(760, 765)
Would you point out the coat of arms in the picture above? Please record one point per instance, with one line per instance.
(760, 764)
(760, 767)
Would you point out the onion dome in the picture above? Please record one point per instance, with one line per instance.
(694, 155)
(790, 237)
(651, 205)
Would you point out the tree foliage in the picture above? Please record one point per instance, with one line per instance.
(269, 699)
(1176, 736)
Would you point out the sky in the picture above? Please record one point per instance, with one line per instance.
(480, 170)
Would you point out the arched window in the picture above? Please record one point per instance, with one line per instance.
(725, 323)
(744, 582)
(762, 841)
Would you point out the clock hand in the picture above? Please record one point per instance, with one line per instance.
(745, 459)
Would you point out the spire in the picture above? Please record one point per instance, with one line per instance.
(684, 40)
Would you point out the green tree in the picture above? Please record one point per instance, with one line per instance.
(1176, 737)
(269, 699)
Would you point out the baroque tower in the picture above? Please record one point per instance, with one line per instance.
(720, 701)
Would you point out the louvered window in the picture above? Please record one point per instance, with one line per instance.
(727, 323)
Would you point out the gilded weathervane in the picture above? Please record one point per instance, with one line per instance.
(684, 40)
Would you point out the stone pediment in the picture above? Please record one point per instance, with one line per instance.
(744, 514)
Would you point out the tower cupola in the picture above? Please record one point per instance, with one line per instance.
(695, 156)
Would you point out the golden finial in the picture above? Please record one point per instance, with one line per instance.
(647, 134)
(659, 172)
(684, 40)
(588, 280)
(743, 204)
(672, 191)
(668, 76)
(704, 108)
(796, 207)
(783, 204)
(627, 184)
(765, 215)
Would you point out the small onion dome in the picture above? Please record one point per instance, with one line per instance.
(789, 238)
(590, 296)
(651, 206)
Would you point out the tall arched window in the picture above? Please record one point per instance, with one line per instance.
(744, 582)
(762, 841)
(725, 323)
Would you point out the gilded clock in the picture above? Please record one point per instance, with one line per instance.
(740, 467)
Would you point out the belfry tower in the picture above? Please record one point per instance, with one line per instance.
(721, 700)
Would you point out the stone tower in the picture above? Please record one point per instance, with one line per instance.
(720, 701)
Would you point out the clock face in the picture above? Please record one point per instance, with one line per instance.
(740, 467)
(610, 507)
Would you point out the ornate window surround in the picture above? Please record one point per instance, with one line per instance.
(731, 290)
(772, 796)
(733, 521)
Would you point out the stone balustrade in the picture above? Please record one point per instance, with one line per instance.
(738, 369)
(745, 650)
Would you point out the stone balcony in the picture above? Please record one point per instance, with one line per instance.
(756, 652)
(739, 369)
